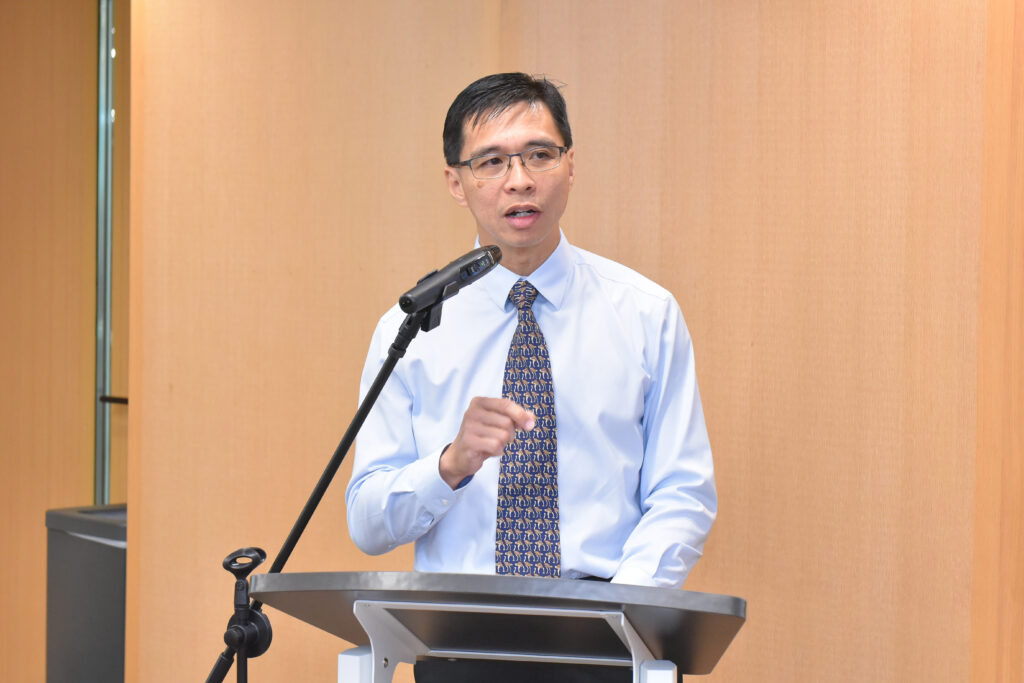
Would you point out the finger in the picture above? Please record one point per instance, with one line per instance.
(500, 412)
(491, 419)
(520, 417)
(492, 437)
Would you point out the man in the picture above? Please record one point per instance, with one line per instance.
(551, 425)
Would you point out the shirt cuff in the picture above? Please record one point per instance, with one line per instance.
(433, 492)
(633, 577)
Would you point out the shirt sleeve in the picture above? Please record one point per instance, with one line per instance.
(677, 486)
(395, 494)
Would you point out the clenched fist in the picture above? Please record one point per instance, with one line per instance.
(487, 427)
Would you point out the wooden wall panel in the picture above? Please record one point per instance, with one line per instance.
(47, 300)
(805, 177)
(287, 187)
(997, 609)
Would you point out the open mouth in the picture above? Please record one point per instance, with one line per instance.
(520, 213)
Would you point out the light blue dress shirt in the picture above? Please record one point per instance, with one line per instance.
(635, 476)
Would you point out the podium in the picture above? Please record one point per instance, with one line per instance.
(396, 617)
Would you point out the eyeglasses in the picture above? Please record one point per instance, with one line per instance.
(491, 166)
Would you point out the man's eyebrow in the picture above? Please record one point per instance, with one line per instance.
(496, 149)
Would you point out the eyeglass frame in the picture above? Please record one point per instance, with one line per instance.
(562, 149)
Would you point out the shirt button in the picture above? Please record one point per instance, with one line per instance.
(444, 501)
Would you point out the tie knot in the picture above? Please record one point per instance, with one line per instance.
(523, 295)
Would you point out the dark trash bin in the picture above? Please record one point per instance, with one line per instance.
(85, 594)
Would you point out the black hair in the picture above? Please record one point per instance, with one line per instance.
(492, 95)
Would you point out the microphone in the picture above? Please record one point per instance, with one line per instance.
(445, 283)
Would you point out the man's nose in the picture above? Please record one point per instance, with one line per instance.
(519, 176)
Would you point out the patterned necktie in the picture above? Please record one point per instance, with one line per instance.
(526, 539)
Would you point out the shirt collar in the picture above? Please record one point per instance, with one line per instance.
(551, 278)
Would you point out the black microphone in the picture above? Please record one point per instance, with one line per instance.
(445, 283)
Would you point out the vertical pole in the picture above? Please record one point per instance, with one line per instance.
(104, 147)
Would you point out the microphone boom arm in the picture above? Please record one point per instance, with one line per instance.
(423, 305)
(412, 324)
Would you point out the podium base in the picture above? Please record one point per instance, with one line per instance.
(356, 666)
(393, 639)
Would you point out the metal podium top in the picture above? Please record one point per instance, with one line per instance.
(691, 629)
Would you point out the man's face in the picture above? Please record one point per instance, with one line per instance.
(520, 211)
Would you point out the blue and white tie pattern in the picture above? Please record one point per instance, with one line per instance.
(526, 538)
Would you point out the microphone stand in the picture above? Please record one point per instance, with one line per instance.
(249, 633)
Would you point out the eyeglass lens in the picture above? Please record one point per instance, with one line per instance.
(535, 159)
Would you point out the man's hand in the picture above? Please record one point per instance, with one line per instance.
(487, 427)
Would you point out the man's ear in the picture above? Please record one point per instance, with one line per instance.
(454, 182)
(571, 159)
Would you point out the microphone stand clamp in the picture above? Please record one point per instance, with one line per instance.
(248, 633)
